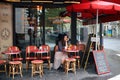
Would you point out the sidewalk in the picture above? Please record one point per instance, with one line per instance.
(89, 74)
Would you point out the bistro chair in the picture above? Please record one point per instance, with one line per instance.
(17, 57)
(46, 54)
(82, 51)
(55, 48)
(76, 54)
(81, 47)
(30, 54)
(3, 63)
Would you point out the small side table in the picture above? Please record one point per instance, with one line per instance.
(37, 67)
(70, 64)
(15, 67)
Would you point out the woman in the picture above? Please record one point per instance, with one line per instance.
(59, 54)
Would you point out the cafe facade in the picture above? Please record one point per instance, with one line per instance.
(16, 22)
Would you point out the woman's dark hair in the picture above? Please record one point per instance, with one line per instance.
(58, 38)
(63, 42)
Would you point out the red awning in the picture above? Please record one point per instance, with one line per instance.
(114, 1)
(91, 7)
(89, 10)
(103, 19)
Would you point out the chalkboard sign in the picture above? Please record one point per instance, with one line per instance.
(101, 62)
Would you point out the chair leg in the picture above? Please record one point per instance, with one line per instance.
(40, 70)
(9, 70)
(21, 70)
(26, 65)
(74, 67)
(32, 70)
(49, 64)
(17, 68)
(13, 71)
(78, 63)
(67, 67)
(5, 69)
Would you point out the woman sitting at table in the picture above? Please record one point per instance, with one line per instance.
(59, 53)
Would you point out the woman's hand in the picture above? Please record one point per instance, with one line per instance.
(67, 39)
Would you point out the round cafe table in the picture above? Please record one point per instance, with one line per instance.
(74, 55)
(44, 57)
(71, 51)
(9, 53)
(40, 52)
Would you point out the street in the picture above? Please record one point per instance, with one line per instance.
(112, 48)
(112, 43)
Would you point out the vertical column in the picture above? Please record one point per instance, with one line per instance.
(13, 22)
(73, 27)
(101, 37)
(43, 22)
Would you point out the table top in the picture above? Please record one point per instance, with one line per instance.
(40, 51)
(11, 52)
(67, 50)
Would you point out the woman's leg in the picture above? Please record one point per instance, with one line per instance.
(57, 60)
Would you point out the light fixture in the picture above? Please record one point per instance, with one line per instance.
(58, 2)
(26, 0)
(43, 1)
(69, 2)
(13, 0)
(76, 2)
(39, 8)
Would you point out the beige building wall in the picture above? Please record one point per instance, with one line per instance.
(6, 33)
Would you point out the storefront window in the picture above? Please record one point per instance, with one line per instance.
(55, 24)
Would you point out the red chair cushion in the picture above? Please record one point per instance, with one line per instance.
(15, 62)
(31, 58)
(46, 57)
(2, 61)
(70, 59)
(17, 59)
(37, 61)
(77, 57)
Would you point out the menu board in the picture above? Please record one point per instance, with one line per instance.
(101, 62)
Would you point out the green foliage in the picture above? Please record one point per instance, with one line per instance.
(49, 12)
(52, 12)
